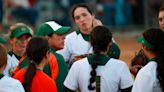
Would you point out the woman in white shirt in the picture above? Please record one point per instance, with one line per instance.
(77, 43)
(7, 84)
(98, 72)
(151, 77)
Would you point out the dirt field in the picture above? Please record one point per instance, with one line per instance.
(128, 46)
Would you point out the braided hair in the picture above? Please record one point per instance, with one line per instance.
(99, 39)
(155, 37)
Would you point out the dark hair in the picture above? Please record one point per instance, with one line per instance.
(36, 50)
(83, 5)
(3, 55)
(155, 37)
(99, 39)
(161, 8)
(50, 35)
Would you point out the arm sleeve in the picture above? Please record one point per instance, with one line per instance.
(53, 66)
(126, 78)
(19, 87)
(67, 90)
(71, 81)
(142, 83)
(8, 66)
(127, 89)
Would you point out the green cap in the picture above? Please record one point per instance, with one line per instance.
(51, 27)
(114, 52)
(3, 40)
(144, 42)
(20, 31)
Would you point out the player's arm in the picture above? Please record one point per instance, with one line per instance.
(67, 90)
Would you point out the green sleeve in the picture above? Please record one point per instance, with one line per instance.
(127, 89)
(115, 51)
(67, 90)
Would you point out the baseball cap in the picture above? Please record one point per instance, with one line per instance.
(144, 42)
(3, 40)
(51, 27)
(20, 31)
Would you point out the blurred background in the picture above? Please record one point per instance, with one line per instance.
(117, 14)
(126, 18)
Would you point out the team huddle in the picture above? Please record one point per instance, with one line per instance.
(57, 59)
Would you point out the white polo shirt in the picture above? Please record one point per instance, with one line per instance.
(8, 84)
(12, 62)
(74, 45)
(113, 75)
(146, 79)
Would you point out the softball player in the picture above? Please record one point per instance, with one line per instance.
(98, 72)
(7, 84)
(77, 42)
(150, 77)
(20, 34)
(32, 76)
(57, 69)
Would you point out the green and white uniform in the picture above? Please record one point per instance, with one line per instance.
(146, 80)
(49, 28)
(12, 58)
(8, 84)
(114, 75)
(75, 45)
(12, 62)
(63, 70)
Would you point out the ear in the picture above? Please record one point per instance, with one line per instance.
(48, 38)
(109, 46)
(46, 58)
(47, 54)
(11, 41)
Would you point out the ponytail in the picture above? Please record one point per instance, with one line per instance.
(36, 50)
(93, 72)
(28, 77)
(160, 64)
(100, 38)
(155, 38)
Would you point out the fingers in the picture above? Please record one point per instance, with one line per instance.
(134, 69)
(137, 66)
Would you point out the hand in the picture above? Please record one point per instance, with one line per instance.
(96, 22)
(78, 57)
(134, 69)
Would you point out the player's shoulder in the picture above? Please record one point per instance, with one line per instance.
(71, 35)
(81, 63)
(117, 62)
